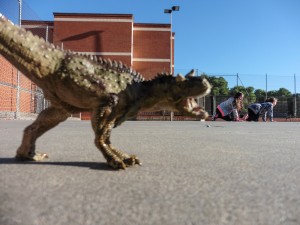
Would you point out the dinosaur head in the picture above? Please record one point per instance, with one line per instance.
(178, 94)
(187, 90)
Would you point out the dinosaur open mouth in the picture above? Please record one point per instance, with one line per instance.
(192, 108)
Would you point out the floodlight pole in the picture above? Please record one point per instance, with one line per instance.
(171, 47)
(169, 11)
(20, 12)
(18, 72)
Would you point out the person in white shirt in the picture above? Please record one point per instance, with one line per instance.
(229, 109)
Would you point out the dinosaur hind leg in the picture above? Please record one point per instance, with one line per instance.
(103, 121)
(46, 120)
(129, 160)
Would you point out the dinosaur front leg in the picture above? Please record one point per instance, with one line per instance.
(103, 121)
(46, 120)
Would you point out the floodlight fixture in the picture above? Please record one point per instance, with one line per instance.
(175, 8)
(168, 11)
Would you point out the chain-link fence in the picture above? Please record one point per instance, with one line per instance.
(19, 96)
(286, 107)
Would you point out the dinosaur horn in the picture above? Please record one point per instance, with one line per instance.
(190, 74)
(180, 78)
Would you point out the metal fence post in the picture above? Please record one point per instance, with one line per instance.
(295, 98)
(266, 86)
(213, 104)
(18, 72)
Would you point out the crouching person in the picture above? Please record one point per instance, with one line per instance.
(229, 109)
(265, 109)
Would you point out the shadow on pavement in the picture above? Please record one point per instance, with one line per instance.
(91, 165)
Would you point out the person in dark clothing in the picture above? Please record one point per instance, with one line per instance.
(265, 109)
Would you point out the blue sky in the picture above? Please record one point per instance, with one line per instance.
(251, 38)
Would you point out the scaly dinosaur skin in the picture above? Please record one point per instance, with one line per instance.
(111, 91)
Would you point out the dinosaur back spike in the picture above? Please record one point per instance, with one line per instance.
(100, 60)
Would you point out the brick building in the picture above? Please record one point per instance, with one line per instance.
(145, 47)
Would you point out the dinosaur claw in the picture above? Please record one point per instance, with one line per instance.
(132, 160)
(37, 156)
(116, 164)
(138, 162)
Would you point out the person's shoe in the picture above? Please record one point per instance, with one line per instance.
(213, 117)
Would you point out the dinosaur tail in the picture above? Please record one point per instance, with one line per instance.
(32, 55)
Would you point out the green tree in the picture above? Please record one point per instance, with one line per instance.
(247, 91)
(272, 93)
(219, 85)
(249, 96)
(283, 92)
(260, 93)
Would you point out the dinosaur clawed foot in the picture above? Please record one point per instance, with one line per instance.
(118, 163)
(132, 160)
(35, 156)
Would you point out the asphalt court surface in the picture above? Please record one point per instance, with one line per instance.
(193, 173)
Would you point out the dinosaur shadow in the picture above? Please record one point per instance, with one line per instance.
(90, 165)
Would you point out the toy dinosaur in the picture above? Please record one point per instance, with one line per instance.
(111, 91)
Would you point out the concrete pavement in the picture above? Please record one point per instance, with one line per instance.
(208, 173)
